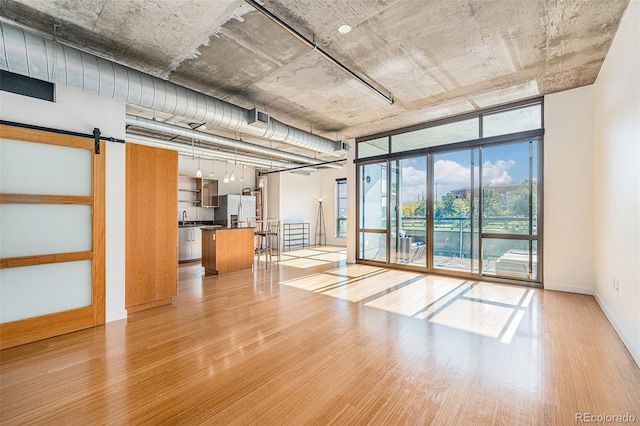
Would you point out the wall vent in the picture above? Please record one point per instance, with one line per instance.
(342, 146)
(258, 118)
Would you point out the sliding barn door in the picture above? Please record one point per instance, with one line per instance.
(52, 266)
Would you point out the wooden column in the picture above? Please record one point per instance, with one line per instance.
(151, 269)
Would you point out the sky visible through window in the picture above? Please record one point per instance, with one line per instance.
(504, 164)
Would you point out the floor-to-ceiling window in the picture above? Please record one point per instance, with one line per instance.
(341, 208)
(460, 196)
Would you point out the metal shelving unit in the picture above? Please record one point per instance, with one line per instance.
(295, 235)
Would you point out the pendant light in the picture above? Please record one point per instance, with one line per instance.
(226, 172)
(242, 176)
(213, 166)
(199, 172)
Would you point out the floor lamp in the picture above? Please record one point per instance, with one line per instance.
(321, 238)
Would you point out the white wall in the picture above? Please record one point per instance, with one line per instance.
(617, 179)
(299, 200)
(327, 191)
(77, 111)
(272, 196)
(295, 198)
(568, 191)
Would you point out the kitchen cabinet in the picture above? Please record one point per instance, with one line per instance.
(189, 244)
(227, 250)
(207, 192)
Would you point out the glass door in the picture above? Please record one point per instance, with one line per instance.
(372, 238)
(408, 208)
(455, 222)
(510, 210)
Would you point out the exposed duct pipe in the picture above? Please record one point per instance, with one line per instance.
(208, 153)
(32, 55)
(171, 129)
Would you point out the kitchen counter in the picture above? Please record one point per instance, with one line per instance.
(195, 223)
(227, 249)
(224, 228)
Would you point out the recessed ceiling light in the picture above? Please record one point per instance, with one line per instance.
(344, 29)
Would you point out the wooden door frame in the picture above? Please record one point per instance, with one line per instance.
(37, 328)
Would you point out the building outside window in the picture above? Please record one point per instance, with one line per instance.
(341, 208)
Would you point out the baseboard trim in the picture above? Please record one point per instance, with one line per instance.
(148, 305)
(569, 289)
(115, 316)
(635, 353)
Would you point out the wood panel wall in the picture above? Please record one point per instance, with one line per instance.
(151, 266)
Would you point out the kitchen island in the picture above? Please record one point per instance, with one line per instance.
(227, 249)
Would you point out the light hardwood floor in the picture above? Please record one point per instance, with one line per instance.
(330, 344)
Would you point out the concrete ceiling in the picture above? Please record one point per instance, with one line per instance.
(436, 58)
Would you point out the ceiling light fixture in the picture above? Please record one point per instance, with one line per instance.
(199, 172)
(344, 29)
(226, 172)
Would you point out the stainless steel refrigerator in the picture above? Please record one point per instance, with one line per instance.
(233, 210)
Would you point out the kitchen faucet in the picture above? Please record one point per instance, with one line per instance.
(184, 215)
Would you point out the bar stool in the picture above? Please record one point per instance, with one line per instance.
(260, 240)
(265, 231)
(273, 231)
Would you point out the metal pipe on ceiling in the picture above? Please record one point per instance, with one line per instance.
(25, 53)
(208, 153)
(171, 129)
(312, 44)
(302, 168)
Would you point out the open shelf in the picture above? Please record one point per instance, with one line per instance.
(296, 235)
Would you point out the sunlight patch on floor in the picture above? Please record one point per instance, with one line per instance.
(315, 282)
(479, 318)
(303, 253)
(303, 262)
(417, 296)
(486, 309)
(357, 290)
(330, 257)
(496, 293)
(355, 270)
(330, 249)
